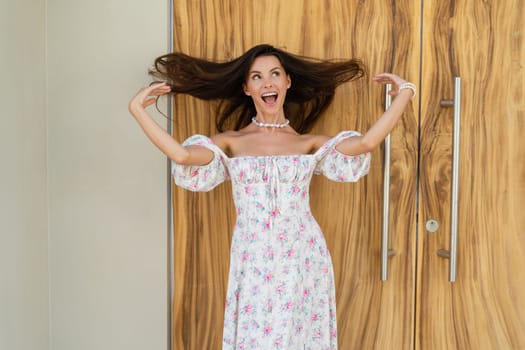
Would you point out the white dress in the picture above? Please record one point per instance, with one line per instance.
(281, 292)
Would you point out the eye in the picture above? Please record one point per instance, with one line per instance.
(256, 77)
(276, 74)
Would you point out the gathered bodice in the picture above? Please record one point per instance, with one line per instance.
(271, 185)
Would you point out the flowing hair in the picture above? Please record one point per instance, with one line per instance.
(313, 84)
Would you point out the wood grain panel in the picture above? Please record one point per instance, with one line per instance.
(371, 314)
(483, 43)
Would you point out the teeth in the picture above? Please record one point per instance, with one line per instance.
(269, 94)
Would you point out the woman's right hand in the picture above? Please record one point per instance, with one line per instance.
(147, 96)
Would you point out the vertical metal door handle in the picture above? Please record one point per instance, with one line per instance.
(385, 251)
(452, 253)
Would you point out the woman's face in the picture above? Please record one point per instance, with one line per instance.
(267, 84)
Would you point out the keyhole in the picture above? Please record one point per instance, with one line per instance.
(432, 225)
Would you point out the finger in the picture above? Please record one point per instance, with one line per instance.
(162, 90)
(383, 76)
(393, 93)
(158, 83)
(159, 86)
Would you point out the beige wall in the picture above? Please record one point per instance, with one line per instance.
(107, 184)
(23, 198)
(83, 245)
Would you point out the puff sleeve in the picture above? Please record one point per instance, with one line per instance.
(201, 178)
(337, 166)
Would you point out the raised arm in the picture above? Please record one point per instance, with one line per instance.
(194, 155)
(384, 125)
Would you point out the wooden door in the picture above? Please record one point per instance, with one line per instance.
(371, 313)
(481, 42)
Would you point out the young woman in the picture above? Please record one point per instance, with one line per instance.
(281, 291)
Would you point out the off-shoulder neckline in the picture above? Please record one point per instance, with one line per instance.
(319, 151)
(262, 156)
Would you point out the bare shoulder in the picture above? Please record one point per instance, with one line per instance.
(315, 141)
(224, 139)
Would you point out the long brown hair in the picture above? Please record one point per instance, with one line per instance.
(313, 83)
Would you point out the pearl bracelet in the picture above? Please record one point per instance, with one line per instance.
(408, 86)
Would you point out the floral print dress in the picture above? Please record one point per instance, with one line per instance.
(281, 292)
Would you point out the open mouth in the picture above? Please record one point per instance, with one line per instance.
(269, 97)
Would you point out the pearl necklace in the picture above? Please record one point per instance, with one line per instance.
(271, 125)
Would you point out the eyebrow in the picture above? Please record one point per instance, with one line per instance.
(274, 68)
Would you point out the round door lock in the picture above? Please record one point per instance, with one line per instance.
(432, 225)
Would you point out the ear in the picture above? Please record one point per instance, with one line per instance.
(289, 81)
(245, 89)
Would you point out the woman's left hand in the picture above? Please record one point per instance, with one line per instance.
(389, 78)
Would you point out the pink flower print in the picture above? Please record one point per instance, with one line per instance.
(290, 253)
(194, 172)
(288, 306)
(311, 241)
(307, 264)
(280, 289)
(269, 305)
(274, 212)
(279, 342)
(317, 335)
(267, 329)
(255, 290)
(341, 178)
(268, 277)
(245, 256)
(299, 328)
(241, 175)
(270, 253)
(305, 292)
(295, 189)
(265, 178)
(325, 269)
(248, 189)
(333, 333)
(247, 308)
(315, 317)
(267, 224)
(282, 237)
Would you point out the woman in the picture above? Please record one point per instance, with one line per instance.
(281, 291)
